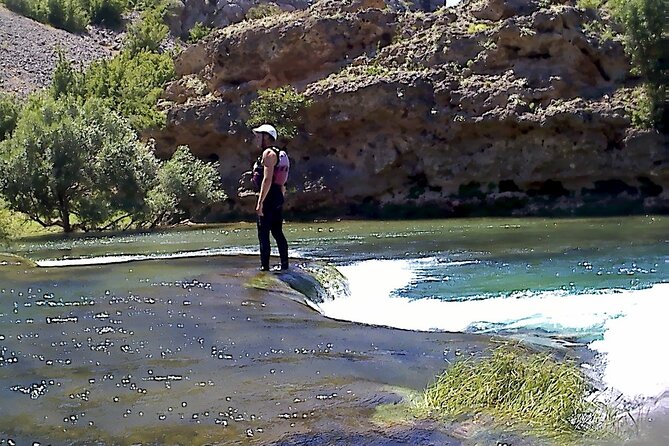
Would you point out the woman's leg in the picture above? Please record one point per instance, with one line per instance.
(277, 233)
(264, 227)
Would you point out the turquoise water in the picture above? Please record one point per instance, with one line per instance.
(592, 282)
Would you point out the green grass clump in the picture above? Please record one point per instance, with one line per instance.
(531, 391)
(263, 10)
(589, 4)
(474, 28)
(198, 32)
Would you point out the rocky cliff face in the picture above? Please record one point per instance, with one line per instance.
(489, 107)
(184, 14)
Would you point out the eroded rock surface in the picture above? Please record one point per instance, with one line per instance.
(492, 106)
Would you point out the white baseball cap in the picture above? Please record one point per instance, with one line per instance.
(266, 128)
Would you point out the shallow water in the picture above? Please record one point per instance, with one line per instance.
(191, 351)
(159, 333)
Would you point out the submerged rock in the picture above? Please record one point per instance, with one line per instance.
(317, 281)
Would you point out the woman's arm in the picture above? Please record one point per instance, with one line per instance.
(269, 160)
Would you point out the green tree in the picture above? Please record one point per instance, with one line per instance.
(81, 166)
(66, 79)
(35, 9)
(128, 84)
(643, 22)
(106, 12)
(3, 233)
(68, 15)
(132, 85)
(9, 111)
(68, 164)
(280, 107)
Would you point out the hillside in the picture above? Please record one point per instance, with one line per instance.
(28, 51)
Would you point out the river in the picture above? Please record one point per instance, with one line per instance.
(598, 285)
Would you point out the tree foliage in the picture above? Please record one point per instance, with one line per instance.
(129, 84)
(9, 111)
(280, 107)
(185, 182)
(643, 22)
(4, 226)
(81, 166)
(70, 15)
(106, 12)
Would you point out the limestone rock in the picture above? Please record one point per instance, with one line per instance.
(507, 106)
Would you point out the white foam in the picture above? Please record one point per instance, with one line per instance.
(631, 320)
(635, 345)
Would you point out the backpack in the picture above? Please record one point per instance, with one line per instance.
(281, 169)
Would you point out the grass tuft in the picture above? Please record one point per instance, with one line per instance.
(530, 391)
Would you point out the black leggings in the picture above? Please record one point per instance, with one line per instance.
(272, 221)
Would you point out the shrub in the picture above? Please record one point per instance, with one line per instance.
(34, 9)
(107, 12)
(262, 11)
(128, 83)
(66, 79)
(198, 32)
(144, 5)
(185, 183)
(642, 106)
(68, 15)
(589, 4)
(67, 161)
(9, 111)
(477, 28)
(71, 15)
(22, 7)
(148, 33)
(280, 107)
(4, 225)
(643, 22)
